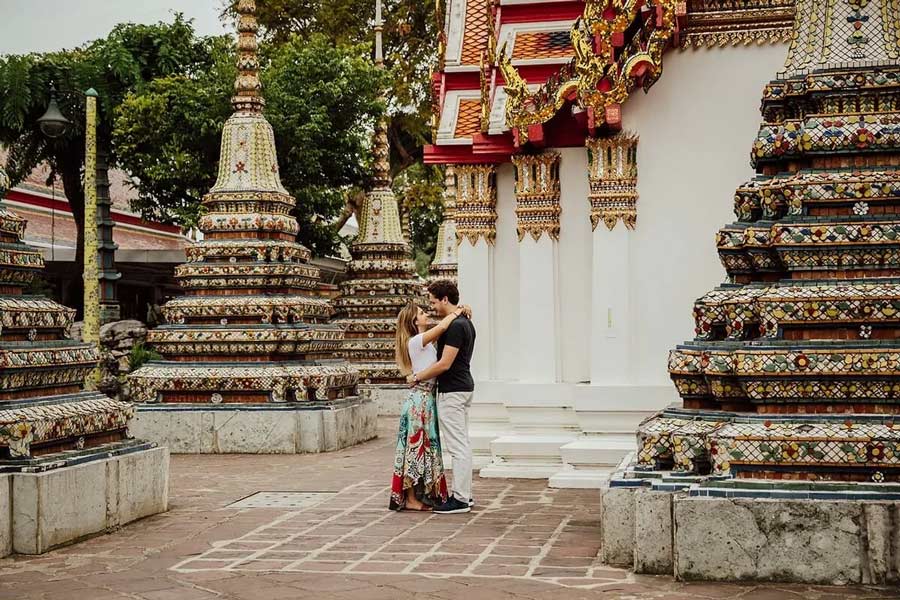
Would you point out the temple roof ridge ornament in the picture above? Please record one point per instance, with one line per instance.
(607, 65)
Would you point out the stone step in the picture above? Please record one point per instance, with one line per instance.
(526, 456)
(597, 451)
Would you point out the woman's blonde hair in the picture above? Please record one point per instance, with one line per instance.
(406, 329)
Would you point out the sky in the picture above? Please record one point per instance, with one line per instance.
(45, 25)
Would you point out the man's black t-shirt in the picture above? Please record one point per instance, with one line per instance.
(460, 334)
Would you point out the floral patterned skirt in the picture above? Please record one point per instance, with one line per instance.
(418, 463)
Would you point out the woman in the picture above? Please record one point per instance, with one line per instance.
(418, 468)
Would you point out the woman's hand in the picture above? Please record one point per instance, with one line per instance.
(411, 379)
(465, 310)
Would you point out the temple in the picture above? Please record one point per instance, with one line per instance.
(60, 444)
(791, 388)
(583, 205)
(249, 354)
(793, 371)
(381, 279)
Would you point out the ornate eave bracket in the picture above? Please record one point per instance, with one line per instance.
(537, 195)
(476, 202)
(607, 65)
(612, 170)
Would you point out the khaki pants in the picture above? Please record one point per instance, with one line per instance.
(453, 417)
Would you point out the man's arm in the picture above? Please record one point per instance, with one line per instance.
(438, 368)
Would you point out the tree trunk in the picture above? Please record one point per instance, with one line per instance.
(73, 295)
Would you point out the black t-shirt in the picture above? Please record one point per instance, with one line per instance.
(460, 334)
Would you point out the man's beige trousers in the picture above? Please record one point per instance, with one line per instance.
(453, 417)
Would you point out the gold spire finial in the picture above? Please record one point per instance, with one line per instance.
(381, 149)
(247, 87)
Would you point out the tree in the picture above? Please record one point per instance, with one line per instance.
(410, 46)
(130, 55)
(321, 100)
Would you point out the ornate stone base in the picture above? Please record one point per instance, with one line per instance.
(42, 510)
(256, 428)
(734, 530)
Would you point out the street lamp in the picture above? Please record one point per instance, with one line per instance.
(53, 124)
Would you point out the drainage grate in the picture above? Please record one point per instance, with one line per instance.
(282, 500)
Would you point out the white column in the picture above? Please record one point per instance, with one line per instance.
(611, 322)
(539, 311)
(538, 403)
(476, 270)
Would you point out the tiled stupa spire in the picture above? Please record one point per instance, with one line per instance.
(249, 328)
(46, 417)
(382, 275)
(795, 369)
(445, 264)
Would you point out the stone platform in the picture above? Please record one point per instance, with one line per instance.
(740, 530)
(257, 428)
(80, 495)
(388, 398)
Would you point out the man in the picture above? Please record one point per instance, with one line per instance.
(455, 389)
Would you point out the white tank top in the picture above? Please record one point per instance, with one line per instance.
(421, 358)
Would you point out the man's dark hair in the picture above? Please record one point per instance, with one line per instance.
(444, 288)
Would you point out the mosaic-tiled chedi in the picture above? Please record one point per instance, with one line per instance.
(382, 275)
(46, 416)
(795, 369)
(249, 328)
(445, 262)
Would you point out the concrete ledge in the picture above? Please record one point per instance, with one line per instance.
(617, 527)
(653, 543)
(389, 399)
(256, 429)
(832, 542)
(64, 505)
(5, 515)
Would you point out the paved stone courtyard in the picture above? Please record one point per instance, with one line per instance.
(320, 529)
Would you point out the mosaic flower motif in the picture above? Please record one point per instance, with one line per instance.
(862, 138)
(861, 208)
(878, 477)
(865, 331)
(801, 361)
(875, 451)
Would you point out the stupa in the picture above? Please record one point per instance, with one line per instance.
(249, 354)
(445, 264)
(68, 464)
(381, 279)
(791, 387)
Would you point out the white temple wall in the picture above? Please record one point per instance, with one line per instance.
(506, 280)
(696, 128)
(476, 269)
(575, 267)
(608, 306)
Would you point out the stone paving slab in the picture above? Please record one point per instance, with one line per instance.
(523, 540)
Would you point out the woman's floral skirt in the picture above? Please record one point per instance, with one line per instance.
(418, 463)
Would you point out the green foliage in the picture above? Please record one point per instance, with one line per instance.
(114, 66)
(167, 134)
(410, 50)
(321, 100)
(141, 354)
(420, 188)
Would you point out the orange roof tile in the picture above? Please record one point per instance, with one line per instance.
(468, 119)
(542, 44)
(475, 33)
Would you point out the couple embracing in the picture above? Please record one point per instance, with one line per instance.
(436, 363)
